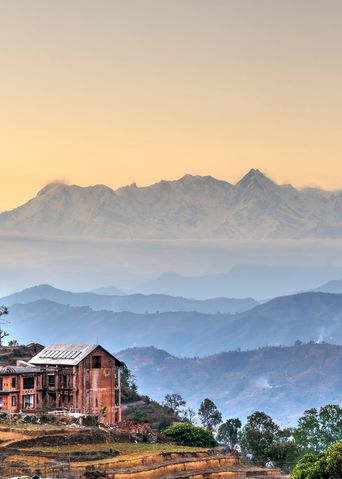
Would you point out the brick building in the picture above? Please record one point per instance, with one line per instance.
(20, 389)
(77, 378)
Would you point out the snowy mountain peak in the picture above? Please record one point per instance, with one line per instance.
(192, 207)
(50, 188)
(256, 178)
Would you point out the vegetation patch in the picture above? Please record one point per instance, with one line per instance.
(186, 434)
(320, 466)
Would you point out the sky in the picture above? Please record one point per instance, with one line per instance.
(116, 92)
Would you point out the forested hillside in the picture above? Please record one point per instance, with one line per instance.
(282, 381)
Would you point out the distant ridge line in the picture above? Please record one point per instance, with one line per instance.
(193, 207)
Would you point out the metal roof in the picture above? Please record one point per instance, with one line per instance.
(18, 370)
(65, 354)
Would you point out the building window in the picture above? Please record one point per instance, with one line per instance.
(28, 401)
(14, 401)
(28, 383)
(51, 380)
(96, 362)
(14, 383)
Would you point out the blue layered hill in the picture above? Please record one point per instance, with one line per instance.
(135, 303)
(281, 321)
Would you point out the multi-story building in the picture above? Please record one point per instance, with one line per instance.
(21, 389)
(71, 377)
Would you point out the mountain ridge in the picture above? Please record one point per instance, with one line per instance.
(192, 207)
(282, 321)
(333, 286)
(135, 303)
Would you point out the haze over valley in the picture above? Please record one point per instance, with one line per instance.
(197, 237)
(180, 274)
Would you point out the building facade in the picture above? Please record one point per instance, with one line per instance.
(70, 377)
(21, 389)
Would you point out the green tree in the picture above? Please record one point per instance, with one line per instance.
(189, 415)
(259, 433)
(128, 386)
(330, 419)
(283, 454)
(228, 432)
(186, 434)
(139, 416)
(209, 415)
(317, 430)
(174, 402)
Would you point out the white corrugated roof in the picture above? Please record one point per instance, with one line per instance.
(63, 354)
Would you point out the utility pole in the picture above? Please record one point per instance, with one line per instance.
(119, 387)
(3, 334)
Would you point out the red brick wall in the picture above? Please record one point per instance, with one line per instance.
(9, 392)
(90, 387)
(19, 392)
(96, 386)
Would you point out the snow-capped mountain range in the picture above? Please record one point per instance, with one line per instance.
(193, 207)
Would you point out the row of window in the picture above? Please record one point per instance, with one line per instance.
(28, 382)
(13, 383)
(28, 401)
(63, 380)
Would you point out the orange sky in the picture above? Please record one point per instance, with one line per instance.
(112, 92)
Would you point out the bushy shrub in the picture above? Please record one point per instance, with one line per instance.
(48, 419)
(3, 417)
(89, 420)
(164, 423)
(30, 419)
(185, 434)
(320, 466)
(310, 466)
(334, 461)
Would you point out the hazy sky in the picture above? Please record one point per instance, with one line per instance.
(107, 91)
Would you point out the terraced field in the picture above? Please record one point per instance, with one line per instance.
(95, 454)
(183, 465)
